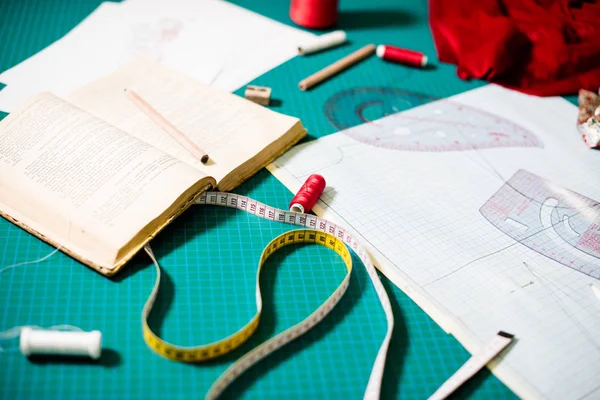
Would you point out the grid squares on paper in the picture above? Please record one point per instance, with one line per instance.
(202, 259)
(444, 245)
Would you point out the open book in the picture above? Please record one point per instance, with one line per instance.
(97, 178)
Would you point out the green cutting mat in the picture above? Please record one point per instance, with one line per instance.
(210, 255)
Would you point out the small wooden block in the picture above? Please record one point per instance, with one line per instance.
(258, 94)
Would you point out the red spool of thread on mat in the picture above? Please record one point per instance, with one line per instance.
(308, 194)
(314, 14)
(401, 56)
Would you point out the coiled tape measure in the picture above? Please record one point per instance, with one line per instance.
(321, 232)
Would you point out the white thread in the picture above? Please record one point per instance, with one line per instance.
(39, 259)
(30, 261)
(15, 331)
(61, 343)
(323, 42)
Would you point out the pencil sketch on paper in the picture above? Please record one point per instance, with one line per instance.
(422, 126)
(553, 221)
(151, 39)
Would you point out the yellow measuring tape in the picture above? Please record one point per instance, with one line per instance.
(323, 233)
(217, 349)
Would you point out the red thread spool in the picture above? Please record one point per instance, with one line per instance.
(401, 56)
(308, 194)
(314, 14)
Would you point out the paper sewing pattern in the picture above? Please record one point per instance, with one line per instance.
(423, 126)
(151, 39)
(450, 230)
(555, 222)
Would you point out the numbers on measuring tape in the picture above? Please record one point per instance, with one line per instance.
(321, 232)
(223, 346)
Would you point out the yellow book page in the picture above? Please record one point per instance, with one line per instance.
(232, 130)
(82, 184)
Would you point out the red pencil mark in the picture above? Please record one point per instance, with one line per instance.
(524, 206)
(591, 239)
(523, 194)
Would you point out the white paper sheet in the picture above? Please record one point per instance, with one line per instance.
(484, 209)
(210, 40)
(243, 44)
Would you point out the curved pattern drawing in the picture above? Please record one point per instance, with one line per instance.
(151, 40)
(356, 106)
(553, 221)
(427, 124)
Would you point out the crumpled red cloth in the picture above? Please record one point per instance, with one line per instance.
(542, 47)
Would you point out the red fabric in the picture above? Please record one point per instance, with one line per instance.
(543, 47)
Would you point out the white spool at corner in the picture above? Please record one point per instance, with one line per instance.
(297, 208)
(65, 343)
(323, 42)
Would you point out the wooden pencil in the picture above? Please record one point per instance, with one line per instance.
(336, 67)
(166, 126)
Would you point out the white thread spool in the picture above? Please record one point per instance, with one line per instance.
(323, 42)
(67, 343)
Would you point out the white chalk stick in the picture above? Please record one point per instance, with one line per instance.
(65, 343)
(323, 42)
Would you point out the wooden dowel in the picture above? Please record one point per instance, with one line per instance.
(336, 67)
(168, 127)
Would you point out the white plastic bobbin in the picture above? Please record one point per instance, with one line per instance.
(297, 208)
(65, 343)
(323, 42)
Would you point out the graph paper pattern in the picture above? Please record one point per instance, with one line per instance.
(487, 246)
(455, 127)
(210, 254)
(557, 223)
